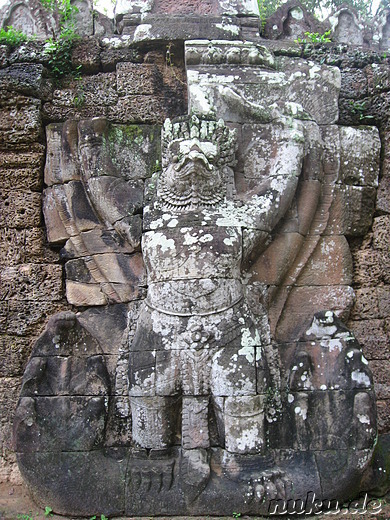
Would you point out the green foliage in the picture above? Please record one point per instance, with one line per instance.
(315, 38)
(48, 511)
(102, 517)
(12, 37)
(236, 515)
(59, 47)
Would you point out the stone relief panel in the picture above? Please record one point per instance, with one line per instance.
(212, 360)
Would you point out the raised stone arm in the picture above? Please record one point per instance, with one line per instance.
(265, 205)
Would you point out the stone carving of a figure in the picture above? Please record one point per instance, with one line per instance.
(197, 353)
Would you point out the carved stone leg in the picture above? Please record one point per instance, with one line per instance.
(153, 421)
(244, 424)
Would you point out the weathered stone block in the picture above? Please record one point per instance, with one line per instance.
(29, 156)
(373, 338)
(354, 83)
(62, 153)
(378, 78)
(380, 370)
(301, 304)
(20, 121)
(135, 150)
(366, 305)
(383, 301)
(383, 408)
(98, 241)
(44, 424)
(26, 317)
(383, 197)
(244, 424)
(14, 352)
(36, 248)
(12, 246)
(113, 267)
(368, 268)
(29, 79)
(352, 210)
(20, 210)
(381, 233)
(330, 263)
(21, 179)
(270, 268)
(331, 149)
(67, 211)
(86, 53)
(32, 282)
(359, 156)
(139, 109)
(135, 78)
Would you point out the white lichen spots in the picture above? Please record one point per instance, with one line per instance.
(323, 387)
(156, 223)
(290, 398)
(364, 419)
(313, 72)
(206, 238)
(173, 223)
(229, 241)
(249, 438)
(364, 360)
(350, 354)
(296, 13)
(233, 29)
(189, 239)
(248, 339)
(361, 378)
(143, 32)
(301, 411)
(294, 368)
(159, 240)
(248, 352)
(334, 344)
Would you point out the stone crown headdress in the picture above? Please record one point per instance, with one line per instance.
(189, 127)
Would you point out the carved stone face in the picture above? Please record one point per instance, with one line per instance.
(192, 178)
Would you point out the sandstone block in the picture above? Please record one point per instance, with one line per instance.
(112, 267)
(352, 210)
(331, 151)
(111, 54)
(32, 282)
(330, 263)
(20, 210)
(62, 153)
(96, 241)
(359, 156)
(67, 211)
(381, 233)
(303, 302)
(271, 267)
(28, 156)
(20, 121)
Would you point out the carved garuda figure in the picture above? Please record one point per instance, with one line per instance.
(192, 383)
(196, 336)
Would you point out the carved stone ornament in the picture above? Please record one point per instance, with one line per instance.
(208, 369)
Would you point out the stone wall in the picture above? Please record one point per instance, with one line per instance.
(124, 84)
(143, 84)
